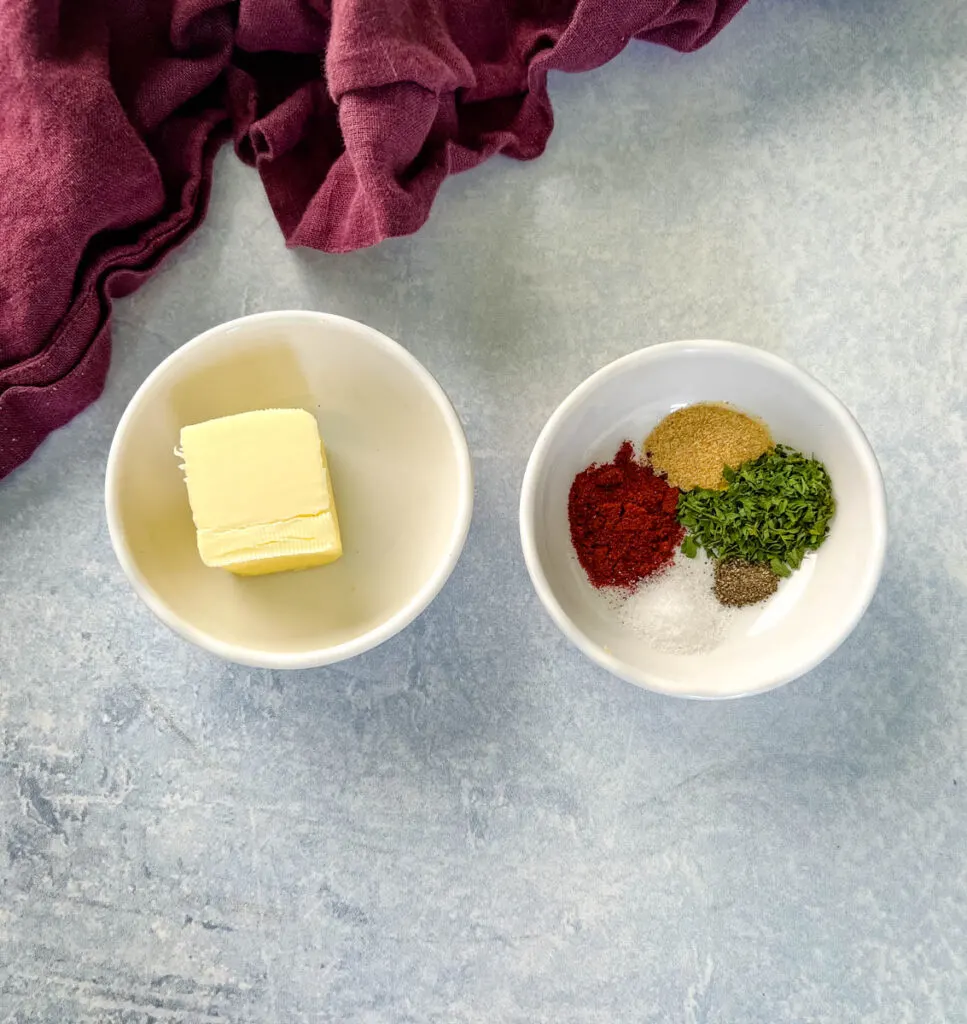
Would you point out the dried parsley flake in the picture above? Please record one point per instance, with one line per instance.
(774, 509)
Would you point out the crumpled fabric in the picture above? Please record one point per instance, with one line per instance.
(353, 111)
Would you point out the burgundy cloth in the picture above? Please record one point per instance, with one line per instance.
(353, 112)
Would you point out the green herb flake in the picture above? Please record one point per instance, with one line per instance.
(775, 509)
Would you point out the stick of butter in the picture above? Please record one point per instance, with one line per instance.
(260, 492)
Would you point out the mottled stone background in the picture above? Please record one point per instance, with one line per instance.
(473, 824)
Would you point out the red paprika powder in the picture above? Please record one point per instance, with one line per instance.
(623, 520)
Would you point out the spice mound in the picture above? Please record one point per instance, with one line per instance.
(676, 610)
(776, 508)
(623, 519)
(738, 583)
(692, 446)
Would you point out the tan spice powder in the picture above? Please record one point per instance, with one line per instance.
(692, 446)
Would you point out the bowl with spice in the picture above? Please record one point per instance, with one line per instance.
(704, 519)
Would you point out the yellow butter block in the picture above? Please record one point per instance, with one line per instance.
(260, 492)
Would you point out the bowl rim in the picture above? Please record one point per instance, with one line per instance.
(316, 657)
(855, 437)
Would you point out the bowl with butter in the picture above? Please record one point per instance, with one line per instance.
(289, 489)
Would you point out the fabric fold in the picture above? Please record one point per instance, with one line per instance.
(353, 113)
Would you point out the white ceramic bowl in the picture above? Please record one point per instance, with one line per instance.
(813, 612)
(401, 477)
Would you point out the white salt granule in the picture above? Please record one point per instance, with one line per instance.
(677, 611)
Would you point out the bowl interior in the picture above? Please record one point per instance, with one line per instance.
(812, 612)
(400, 471)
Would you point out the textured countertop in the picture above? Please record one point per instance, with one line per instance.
(472, 823)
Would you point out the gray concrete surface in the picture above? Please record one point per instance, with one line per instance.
(473, 824)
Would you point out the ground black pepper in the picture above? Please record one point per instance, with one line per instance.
(738, 583)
